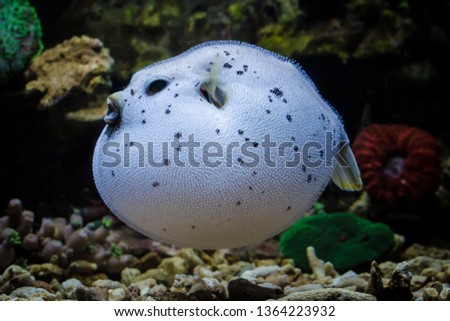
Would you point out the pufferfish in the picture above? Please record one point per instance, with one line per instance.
(224, 145)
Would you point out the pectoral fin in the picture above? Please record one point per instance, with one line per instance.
(210, 88)
(346, 173)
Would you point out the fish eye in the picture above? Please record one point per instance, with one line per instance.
(156, 86)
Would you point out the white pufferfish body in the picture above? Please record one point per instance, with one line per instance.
(247, 175)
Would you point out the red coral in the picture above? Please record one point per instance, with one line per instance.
(397, 162)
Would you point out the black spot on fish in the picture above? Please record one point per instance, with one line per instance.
(193, 227)
(176, 84)
(250, 188)
(267, 111)
(255, 144)
(131, 144)
(143, 111)
(270, 98)
(309, 178)
(246, 139)
(125, 100)
(226, 53)
(140, 97)
(240, 132)
(321, 153)
(170, 105)
(240, 160)
(293, 138)
(166, 162)
(238, 203)
(155, 184)
(296, 148)
(288, 208)
(232, 59)
(178, 135)
(254, 173)
(240, 72)
(277, 92)
(227, 65)
(245, 68)
(143, 122)
(208, 69)
(217, 131)
(113, 174)
(289, 118)
(167, 111)
(304, 168)
(131, 92)
(211, 63)
(284, 100)
(164, 229)
(197, 83)
(175, 96)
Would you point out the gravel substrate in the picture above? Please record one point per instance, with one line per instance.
(186, 274)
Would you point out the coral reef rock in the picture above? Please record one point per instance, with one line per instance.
(73, 78)
(350, 29)
(328, 295)
(64, 247)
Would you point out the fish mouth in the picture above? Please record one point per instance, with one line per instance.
(113, 115)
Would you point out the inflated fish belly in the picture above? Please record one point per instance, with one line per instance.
(222, 146)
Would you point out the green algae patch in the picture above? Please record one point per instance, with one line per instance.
(344, 239)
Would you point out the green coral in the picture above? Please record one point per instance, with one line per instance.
(115, 251)
(14, 237)
(107, 221)
(20, 37)
(344, 239)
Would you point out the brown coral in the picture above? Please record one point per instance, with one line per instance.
(67, 245)
(74, 76)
